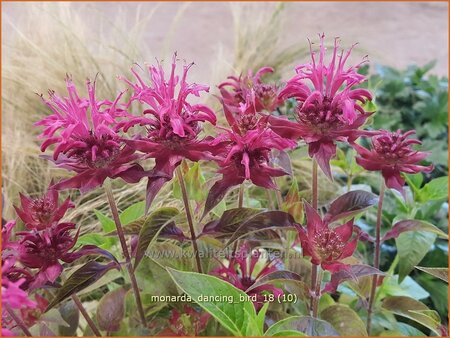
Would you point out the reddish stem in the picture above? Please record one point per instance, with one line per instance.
(187, 209)
(18, 320)
(86, 316)
(126, 254)
(376, 258)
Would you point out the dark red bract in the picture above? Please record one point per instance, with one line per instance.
(325, 245)
(42, 212)
(241, 271)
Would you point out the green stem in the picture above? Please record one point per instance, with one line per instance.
(187, 209)
(86, 316)
(126, 254)
(18, 320)
(376, 259)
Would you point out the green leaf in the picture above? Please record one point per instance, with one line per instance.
(80, 279)
(408, 287)
(436, 189)
(344, 320)
(292, 203)
(414, 310)
(412, 247)
(151, 227)
(132, 213)
(106, 222)
(309, 326)
(94, 239)
(441, 273)
(234, 315)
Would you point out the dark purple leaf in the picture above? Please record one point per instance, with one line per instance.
(279, 276)
(282, 160)
(354, 272)
(111, 310)
(154, 185)
(152, 225)
(69, 312)
(412, 225)
(218, 192)
(263, 221)
(350, 204)
(90, 250)
(80, 279)
(228, 223)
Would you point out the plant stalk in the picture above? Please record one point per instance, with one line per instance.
(315, 204)
(315, 306)
(187, 209)
(18, 320)
(241, 196)
(126, 254)
(376, 258)
(86, 316)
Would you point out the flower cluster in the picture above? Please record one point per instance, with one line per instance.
(325, 245)
(331, 111)
(172, 123)
(82, 131)
(392, 154)
(242, 272)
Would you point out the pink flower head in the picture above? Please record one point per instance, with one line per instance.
(82, 131)
(244, 98)
(42, 212)
(173, 124)
(45, 249)
(326, 246)
(242, 273)
(392, 154)
(238, 90)
(13, 294)
(245, 157)
(330, 111)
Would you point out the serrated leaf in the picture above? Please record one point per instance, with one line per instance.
(309, 326)
(414, 310)
(412, 247)
(233, 316)
(152, 225)
(88, 274)
(350, 204)
(344, 320)
(412, 225)
(441, 273)
(111, 310)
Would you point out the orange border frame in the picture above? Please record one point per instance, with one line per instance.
(124, 1)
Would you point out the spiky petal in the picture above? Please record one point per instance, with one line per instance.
(392, 154)
(328, 112)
